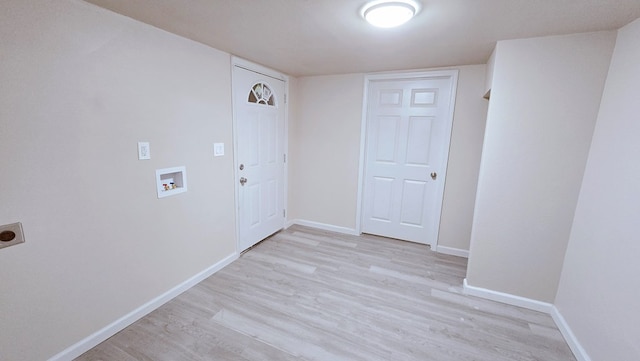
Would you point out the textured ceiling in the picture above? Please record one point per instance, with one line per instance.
(319, 37)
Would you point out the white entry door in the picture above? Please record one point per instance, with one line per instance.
(259, 111)
(408, 130)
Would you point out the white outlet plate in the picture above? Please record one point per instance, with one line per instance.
(218, 149)
(144, 150)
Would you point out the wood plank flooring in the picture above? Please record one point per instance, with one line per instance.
(305, 294)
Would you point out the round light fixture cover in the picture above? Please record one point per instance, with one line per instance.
(389, 13)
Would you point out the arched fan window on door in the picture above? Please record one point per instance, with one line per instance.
(261, 94)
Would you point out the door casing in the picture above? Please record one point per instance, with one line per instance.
(242, 63)
(453, 74)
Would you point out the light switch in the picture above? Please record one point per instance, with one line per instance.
(218, 149)
(144, 151)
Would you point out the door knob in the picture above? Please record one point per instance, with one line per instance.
(243, 180)
(434, 175)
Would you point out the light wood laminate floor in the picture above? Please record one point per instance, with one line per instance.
(306, 294)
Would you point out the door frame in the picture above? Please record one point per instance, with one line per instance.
(412, 75)
(257, 68)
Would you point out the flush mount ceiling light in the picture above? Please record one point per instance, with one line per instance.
(389, 13)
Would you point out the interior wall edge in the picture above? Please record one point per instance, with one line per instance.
(578, 351)
(535, 305)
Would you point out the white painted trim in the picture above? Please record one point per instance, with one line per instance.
(412, 74)
(507, 298)
(234, 130)
(289, 223)
(451, 251)
(257, 68)
(323, 226)
(287, 97)
(361, 159)
(443, 73)
(248, 65)
(116, 326)
(578, 351)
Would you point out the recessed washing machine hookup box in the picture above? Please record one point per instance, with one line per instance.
(171, 181)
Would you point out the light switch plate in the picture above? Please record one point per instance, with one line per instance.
(11, 234)
(218, 149)
(144, 151)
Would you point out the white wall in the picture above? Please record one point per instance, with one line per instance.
(465, 152)
(488, 83)
(79, 87)
(544, 101)
(599, 289)
(324, 150)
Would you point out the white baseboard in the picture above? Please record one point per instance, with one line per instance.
(93, 340)
(350, 231)
(578, 351)
(323, 226)
(452, 251)
(507, 298)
